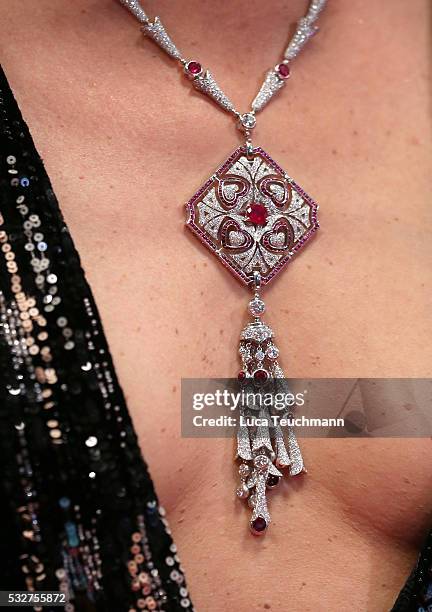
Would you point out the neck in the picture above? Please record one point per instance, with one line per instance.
(238, 38)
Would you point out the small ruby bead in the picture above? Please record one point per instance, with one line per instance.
(241, 376)
(257, 214)
(194, 68)
(272, 481)
(283, 71)
(260, 376)
(259, 525)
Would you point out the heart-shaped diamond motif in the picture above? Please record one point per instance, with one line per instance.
(276, 189)
(230, 189)
(233, 237)
(280, 238)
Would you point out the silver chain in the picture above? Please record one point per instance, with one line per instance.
(204, 81)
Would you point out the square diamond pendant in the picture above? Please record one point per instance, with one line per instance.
(252, 215)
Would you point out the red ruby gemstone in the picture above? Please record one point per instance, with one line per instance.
(259, 525)
(241, 376)
(257, 214)
(272, 481)
(194, 68)
(260, 376)
(283, 71)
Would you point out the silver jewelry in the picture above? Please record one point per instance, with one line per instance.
(253, 216)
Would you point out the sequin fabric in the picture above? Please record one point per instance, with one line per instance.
(416, 596)
(78, 509)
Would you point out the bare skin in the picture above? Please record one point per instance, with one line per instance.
(110, 116)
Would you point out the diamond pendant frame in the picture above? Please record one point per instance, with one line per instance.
(246, 240)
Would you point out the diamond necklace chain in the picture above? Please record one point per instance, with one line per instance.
(203, 79)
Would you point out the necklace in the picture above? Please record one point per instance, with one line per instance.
(253, 216)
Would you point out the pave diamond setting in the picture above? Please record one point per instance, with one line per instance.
(220, 215)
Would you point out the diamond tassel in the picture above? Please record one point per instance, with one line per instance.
(263, 454)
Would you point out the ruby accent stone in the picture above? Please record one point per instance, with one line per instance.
(259, 525)
(257, 214)
(260, 376)
(283, 71)
(194, 68)
(241, 376)
(272, 481)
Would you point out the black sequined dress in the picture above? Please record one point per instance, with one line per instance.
(78, 509)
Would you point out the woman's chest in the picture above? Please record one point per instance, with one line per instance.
(354, 303)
